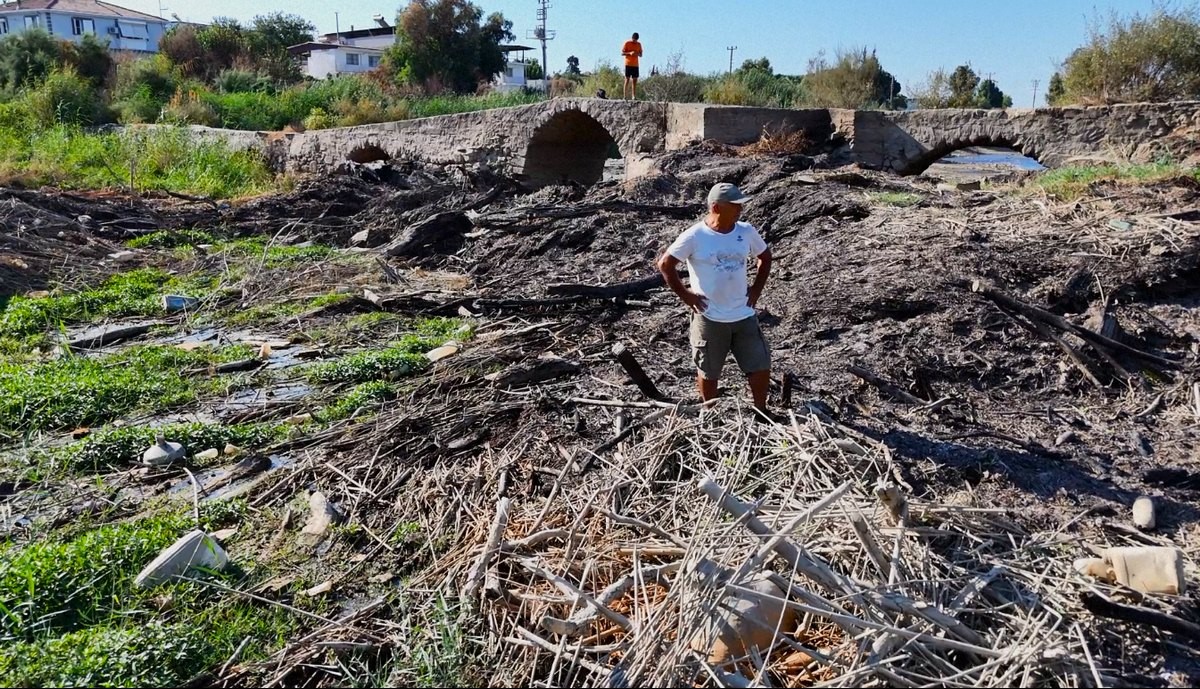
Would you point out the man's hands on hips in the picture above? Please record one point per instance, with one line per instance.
(697, 302)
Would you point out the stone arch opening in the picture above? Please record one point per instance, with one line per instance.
(368, 153)
(980, 151)
(571, 146)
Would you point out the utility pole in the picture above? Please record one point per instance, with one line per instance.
(731, 49)
(543, 34)
(1035, 85)
(337, 28)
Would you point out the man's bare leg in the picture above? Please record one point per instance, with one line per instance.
(707, 387)
(760, 381)
(634, 90)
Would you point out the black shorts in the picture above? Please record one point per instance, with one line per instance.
(631, 72)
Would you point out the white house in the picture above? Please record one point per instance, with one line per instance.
(513, 76)
(71, 20)
(346, 52)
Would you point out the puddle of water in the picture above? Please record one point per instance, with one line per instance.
(255, 397)
(183, 487)
(991, 156)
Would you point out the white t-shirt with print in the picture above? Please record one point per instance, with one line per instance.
(717, 263)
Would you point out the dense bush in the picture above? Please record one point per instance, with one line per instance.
(65, 98)
(1138, 59)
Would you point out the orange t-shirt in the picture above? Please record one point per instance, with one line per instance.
(632, 51)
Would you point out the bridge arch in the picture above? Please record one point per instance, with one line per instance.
(367, 153)
(941, 149)
(569, 145)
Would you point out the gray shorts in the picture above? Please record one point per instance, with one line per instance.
(712, 341)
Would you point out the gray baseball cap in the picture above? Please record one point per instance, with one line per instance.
(726, 193)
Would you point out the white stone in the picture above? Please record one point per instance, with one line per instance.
(1143, 513)
(208, 455)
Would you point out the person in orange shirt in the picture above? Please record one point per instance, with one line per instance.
(632, 50)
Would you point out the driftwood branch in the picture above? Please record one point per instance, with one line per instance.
(637, 373)
(886, 386)
(621, 289)
(1103, 607)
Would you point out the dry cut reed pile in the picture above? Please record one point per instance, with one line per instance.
(615, 576)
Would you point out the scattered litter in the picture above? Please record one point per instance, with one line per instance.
(195, 550)
(324, 587)
(442, 352)
(163, 452)
(174, 302)
(208, 455)
(1149, 569)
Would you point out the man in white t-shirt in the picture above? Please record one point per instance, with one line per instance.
(716, 251)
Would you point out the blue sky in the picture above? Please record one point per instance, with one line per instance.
(1016, 41)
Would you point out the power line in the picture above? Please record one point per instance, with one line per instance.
(731, 49)
(543, 34)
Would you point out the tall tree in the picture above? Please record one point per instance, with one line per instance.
(1057, 91)
(963, 82)
(447, 43)
(276, 31)
(988, 95)
(573, 66)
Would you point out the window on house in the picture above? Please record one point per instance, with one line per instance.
(373, 60)
(133, 29)
(31, 21)
(3, 26)
(352, 59)
(82, 27)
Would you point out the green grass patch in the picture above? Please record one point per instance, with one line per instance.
(159, 158)
(902, 199)
(271, 312)
(60, 586)
(171, 239)
(76, 390)
(133, 293)
(71, 615)
(365, 395)
(403, 358)
(1068, 183)
(276, 255)
(118, 447)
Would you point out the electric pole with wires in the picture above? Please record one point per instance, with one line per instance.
(731, 49)
(543, 34)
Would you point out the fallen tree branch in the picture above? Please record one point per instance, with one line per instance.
(1103, 607)
(886, 386)
(621, 289)
(637, 373)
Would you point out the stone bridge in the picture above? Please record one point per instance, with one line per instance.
(571, 139)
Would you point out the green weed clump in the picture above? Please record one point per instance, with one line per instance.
(70, 614)
(165, 159)
(276, 255)
(404, 358)
(171, 239)
(133, 293)
(364, 395)
(77, 390)
(119, 446)
(1068, 183)
(60, 586)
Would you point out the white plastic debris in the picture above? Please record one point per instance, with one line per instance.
(208, 455)
(1143, 513)
(162, 452)
(442, 352)
(194, 550)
